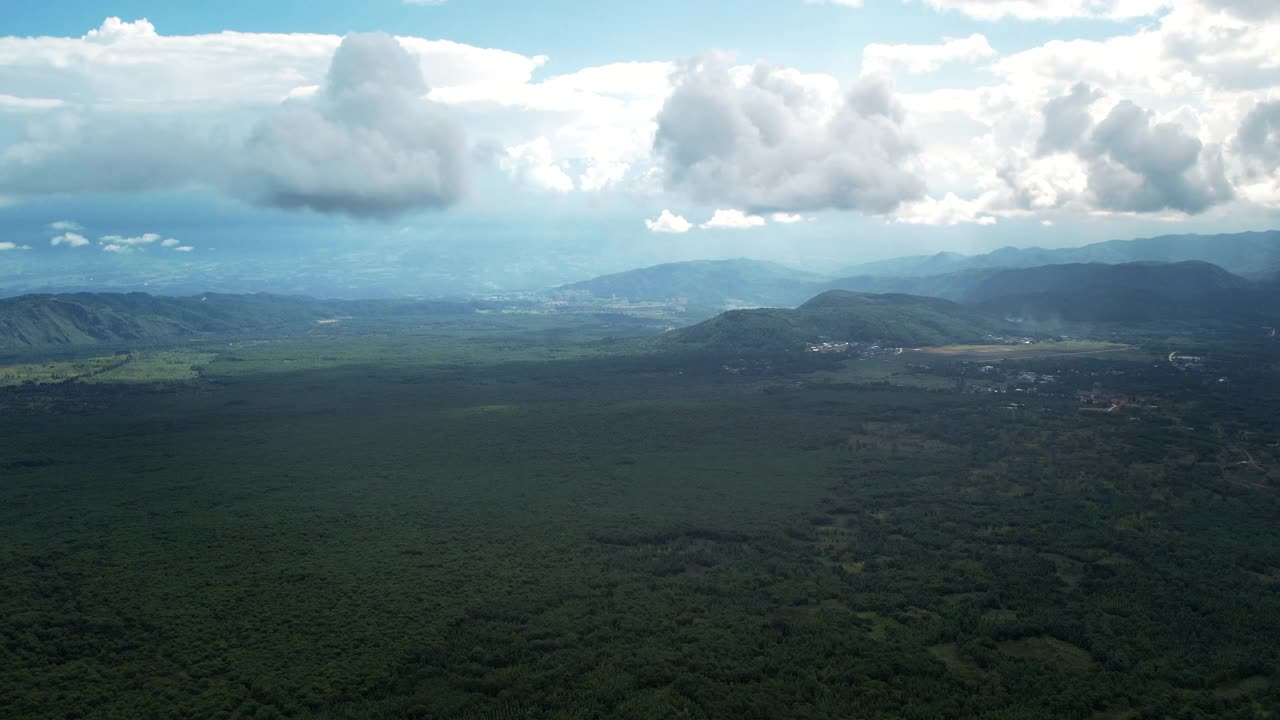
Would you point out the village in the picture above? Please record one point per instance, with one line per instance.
(858, 350)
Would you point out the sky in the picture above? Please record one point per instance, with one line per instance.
(389, 147)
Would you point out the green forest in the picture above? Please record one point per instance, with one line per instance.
(525, 519)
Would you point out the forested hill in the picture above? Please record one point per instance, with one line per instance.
(708, 283)
(1185, 279)
(837, 316)
(1243, 253)
(32, 321)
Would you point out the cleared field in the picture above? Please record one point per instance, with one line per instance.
(56, 371)
(158, 366)
(1037, 350)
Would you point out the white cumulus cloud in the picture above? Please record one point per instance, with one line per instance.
(732, 220)
(1052, 9)
(533, 163)
(880, 58)
(768, 142)
(668, 222)
(787, 218)
(69, 239)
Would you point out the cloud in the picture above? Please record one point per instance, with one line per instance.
(767, 141)
(368, 144)
(13, 246)
(10, 103)
(122, 245)
(1066, 120)
(141, 70)
(732, 220)
(114, 29)
(668, 223)
(533, 163)
(1247, 9)
(950, 210)
(72, 153)
(1130, 161)
(1052, 9)
(787, 218)
(136, 241)
(880, 58)
(1139, 164)
(1257, 142)
(131, 110)
(65, 225)
(70, 239)
(127, 109)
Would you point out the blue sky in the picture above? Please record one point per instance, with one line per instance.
(561, 139)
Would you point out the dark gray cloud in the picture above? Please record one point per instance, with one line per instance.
(1133, 162)
(1067, 120)
(93, 152)
(367, 143)
(1247, 9)
(1258, 141)
(1139, 165)
(770, 145)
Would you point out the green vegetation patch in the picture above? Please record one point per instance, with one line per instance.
(1240, 688)
(1051, 651)
(1064, 348)
(56, 371)
(156, 366)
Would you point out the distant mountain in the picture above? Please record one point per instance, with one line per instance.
(1188, 280)
(1243, 253)
(32, 321)
(839, 315)
(1185, 279)
(708, 283)
(1133, 293)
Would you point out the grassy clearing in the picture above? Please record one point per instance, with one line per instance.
(56, 371)
(1063, 348)
(880, 625)
(892, 371)
(156, 366)
(1051, 651)
(1240, 688)
(956, 662)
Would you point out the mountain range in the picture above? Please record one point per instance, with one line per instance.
(961, 305)
(706, 283)
(1251, 253)
(840, 315)
(1174, 267)
(32, 321)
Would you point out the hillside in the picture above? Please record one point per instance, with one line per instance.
(1242, 253)
(32, 321)
(707, 283)
(1185, 280)
(838, 315)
